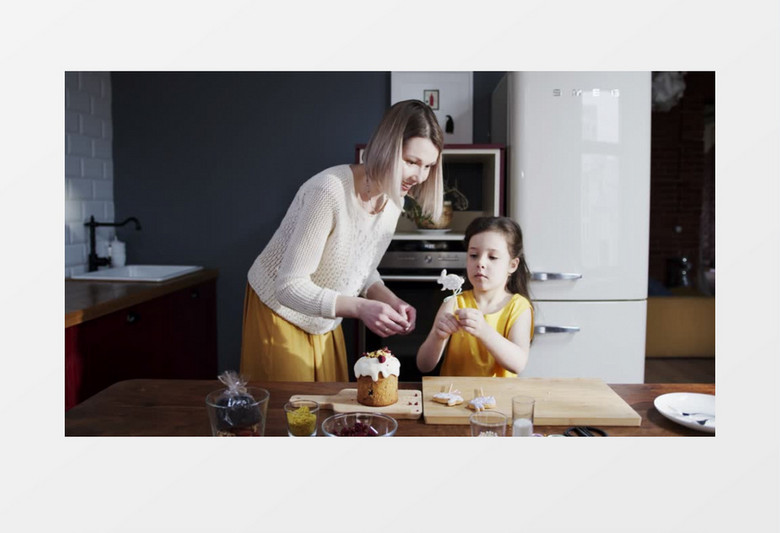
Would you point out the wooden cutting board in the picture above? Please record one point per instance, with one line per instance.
(408, 407)
(559, 401)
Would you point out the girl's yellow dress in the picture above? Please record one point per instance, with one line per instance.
(466, 355)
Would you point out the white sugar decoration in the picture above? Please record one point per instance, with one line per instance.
(450, 282)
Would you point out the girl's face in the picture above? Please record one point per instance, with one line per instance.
(488, 263)
(419, 155)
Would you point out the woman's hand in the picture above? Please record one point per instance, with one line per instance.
(383, 320)
(473, 321)
(379, 293)
(407, 311)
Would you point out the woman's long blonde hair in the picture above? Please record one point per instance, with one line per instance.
(382, 157)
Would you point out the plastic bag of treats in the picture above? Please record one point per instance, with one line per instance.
(237, 410)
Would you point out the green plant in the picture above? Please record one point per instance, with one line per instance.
(413, 210)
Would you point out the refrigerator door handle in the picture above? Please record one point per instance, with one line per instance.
(549, 276)
(543, 330)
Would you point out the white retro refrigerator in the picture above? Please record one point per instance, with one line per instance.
(578, 183)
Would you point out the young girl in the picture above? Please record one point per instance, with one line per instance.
(489, 328)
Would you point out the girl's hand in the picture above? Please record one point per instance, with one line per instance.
(382, 319)
(473, 321)
(446, 324)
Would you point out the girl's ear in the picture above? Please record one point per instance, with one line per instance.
(513, 264)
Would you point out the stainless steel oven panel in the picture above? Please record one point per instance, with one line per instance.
(417, 260)
(406, 277)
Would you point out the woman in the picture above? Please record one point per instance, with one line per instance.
(320, 265)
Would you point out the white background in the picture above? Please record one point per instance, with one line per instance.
(726, 483)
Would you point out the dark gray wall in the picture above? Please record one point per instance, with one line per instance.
(209, 162)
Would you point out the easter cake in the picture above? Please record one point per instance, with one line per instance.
(377, 378)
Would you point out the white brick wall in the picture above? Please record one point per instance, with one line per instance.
(89, 171)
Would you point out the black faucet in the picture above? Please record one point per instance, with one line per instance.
(94, 260)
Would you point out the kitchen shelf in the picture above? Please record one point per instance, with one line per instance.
(478, 170)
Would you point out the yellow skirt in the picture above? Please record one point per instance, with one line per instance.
(273, 349)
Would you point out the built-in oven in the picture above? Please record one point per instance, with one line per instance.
(410, 269)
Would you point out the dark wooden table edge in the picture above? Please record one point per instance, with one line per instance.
(639, 396)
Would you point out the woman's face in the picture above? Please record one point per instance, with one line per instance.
(488, 263)
(419, 155)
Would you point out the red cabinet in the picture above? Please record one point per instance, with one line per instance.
(173, 336)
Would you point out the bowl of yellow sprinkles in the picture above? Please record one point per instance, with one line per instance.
(301, 416)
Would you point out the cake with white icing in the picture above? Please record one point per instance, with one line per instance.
(377, 378)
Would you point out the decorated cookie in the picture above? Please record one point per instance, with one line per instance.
(448, 398)
(450, 282)
(481, 401)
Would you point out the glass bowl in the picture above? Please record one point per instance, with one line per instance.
(359, 425)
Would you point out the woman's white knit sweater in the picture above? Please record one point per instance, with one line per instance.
(326, 245)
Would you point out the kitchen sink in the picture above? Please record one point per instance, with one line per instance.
(138, 273)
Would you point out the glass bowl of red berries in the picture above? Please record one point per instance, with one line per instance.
(359, 425)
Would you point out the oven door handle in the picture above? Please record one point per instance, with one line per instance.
(401, 277)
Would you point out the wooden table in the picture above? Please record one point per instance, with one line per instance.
(160, 407)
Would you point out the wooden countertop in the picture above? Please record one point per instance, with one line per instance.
(150, 407)
(89, 299)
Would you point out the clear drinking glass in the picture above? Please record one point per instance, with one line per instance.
(523, 416)
(488, 424)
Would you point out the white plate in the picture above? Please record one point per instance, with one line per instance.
(672, 406)
(433, 231)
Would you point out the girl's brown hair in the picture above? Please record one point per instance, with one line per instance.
(517, 282)
(383, 153)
